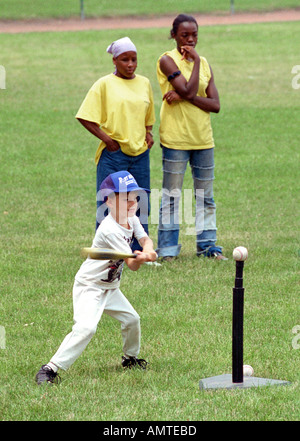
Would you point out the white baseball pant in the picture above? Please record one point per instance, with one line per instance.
(89, 303)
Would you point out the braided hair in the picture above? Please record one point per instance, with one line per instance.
(180, 19)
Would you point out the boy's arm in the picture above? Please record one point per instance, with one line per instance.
(147, 245)
(147, 255)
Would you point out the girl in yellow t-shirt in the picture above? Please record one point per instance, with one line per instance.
(189, 95)
(119, 110)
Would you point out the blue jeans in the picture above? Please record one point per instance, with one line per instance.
(174, 167)
(139, 167)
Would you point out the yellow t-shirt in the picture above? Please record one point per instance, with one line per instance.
(122, 108)
(184, 126)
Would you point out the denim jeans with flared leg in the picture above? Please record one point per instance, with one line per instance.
(174, 167)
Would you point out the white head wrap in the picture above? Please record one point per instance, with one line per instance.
(120, 46)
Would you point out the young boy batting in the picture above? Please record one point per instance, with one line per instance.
(96, 286)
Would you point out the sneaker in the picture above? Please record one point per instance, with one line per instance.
(212, 252)
(168, 258)
(132, 362)
(153, 263)
(47, 375)
(218, 256)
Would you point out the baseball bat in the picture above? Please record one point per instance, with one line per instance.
(105, 254)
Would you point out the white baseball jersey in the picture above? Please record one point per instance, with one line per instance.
(107, 273)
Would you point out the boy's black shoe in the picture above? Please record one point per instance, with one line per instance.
(132, 362)
(47, 375)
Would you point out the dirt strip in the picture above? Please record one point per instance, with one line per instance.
(77, 24)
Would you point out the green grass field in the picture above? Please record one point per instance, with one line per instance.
(15, 9)
(47, 213)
